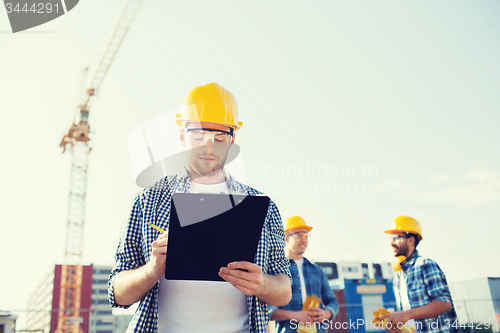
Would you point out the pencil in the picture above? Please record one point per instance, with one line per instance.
(155, 227)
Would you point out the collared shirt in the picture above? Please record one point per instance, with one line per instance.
(134, 248)
(426, 282)
(316, 284)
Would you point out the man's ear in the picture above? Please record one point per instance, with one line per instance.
(411, 241)
(234, 137)
(182, 136)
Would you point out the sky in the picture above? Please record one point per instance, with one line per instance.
(353, 113)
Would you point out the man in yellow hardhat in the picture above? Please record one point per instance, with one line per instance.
(422, 295)
(208, 120)
(308, 280)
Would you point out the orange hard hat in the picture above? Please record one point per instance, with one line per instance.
(212, 103)
(296, 222)
(405, 224)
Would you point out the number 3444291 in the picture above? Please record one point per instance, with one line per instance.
(37, 8)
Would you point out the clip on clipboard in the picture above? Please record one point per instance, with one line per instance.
(208, 231)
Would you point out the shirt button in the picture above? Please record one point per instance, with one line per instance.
(299, 288)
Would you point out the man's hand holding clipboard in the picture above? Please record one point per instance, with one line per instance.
(244, 276)
(249, 279)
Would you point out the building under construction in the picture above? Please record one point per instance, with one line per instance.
(96, 315)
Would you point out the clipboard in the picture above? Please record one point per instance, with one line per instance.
(208, 231)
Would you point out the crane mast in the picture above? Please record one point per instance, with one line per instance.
(76, 140)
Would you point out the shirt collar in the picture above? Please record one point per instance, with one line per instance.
(305, 260)
(410, 261)
(183, 176)
(233, 184)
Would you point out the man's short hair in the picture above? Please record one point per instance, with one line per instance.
(416, 237)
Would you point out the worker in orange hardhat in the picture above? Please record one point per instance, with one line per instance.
(308, 280)
(208, 120)
(422, 295)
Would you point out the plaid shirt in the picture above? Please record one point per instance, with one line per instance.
(426, 282)
(316, 284)
(134, 247)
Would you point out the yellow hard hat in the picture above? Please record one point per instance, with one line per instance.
(405, 224)
(296, 222)
(210, 102)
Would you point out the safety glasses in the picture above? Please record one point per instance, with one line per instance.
(201, 136)
(396, 237)
(301, 235)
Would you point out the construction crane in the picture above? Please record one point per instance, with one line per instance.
(76, 140)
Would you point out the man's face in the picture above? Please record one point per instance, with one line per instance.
(400, 245)
(297, 240)
(206, 150)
